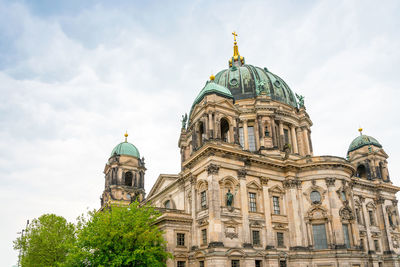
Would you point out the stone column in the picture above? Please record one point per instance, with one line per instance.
(246, 137)
(214, 207)
(370, 242)
(293, 212)
(195, 240)
(294, 140)
(384, 226)
(236, 131)
(305, 141)
(211, 125)
(262, 133)
(257, 133)
(267, 211)
(281, 136)
(300, 142)
(206, 127)
(333, 210)
(273, 134)
(244, 206)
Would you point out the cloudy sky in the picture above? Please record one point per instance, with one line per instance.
(74, 75)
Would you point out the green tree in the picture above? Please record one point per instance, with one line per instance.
(120, 236)
(46, 241)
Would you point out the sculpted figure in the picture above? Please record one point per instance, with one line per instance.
(184, 119)
(229, 198)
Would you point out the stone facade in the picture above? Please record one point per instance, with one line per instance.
(289, 208)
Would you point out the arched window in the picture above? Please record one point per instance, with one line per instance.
(361, 171)
(224, 130)
(167, 204)
(128, 178)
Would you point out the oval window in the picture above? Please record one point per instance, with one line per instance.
(315, 197)
(233, 82)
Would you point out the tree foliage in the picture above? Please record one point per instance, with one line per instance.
(120, 236)
(46, 241)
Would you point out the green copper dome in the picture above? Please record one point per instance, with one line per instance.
(362, 140)
(247, 81)
(125, 148)
(213, 88)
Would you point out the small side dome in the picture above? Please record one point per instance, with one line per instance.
(125, 148)
(363, 140)
(213, 88)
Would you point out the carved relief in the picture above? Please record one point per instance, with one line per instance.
(241, 173)
(346, 213)
(317, 213)
(292, 183)
(212, 169)
(330, 181)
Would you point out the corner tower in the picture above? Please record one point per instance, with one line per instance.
(124, 176)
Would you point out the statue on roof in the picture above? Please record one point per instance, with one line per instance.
(184, 120)
(301, 100)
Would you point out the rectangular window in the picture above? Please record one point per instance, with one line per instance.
(181, 264)
(286, 134)
(201, 263)
(203, 200)
(358, 216)
(204, 236)
(258, 263)
(277, 208)
(362, 244)
(282, 264)
(319, 233)
(235, 263)
(376, 244)
(371, 217)
(241, 137)
(252, 139)
(346, 235)
(256, 238)
(280, 240)
(252, 202)
(180, 239)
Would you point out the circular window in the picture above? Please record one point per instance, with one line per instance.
(277, 83)
(233, 82)
(315, 197)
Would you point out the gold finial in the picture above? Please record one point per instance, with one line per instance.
(360, 130)
(236, 56)
(126, 136)
(235, 47)
(212, 77)
(234, 36)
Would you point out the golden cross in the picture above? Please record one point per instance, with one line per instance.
(234, 36)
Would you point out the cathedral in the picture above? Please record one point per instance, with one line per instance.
(251, 193)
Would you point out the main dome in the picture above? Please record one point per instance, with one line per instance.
(247, 81)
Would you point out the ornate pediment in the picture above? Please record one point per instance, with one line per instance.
(254, 185)
(256, 224)
(276, 189)
(279, 226)
(346, 213)
(317, 213)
